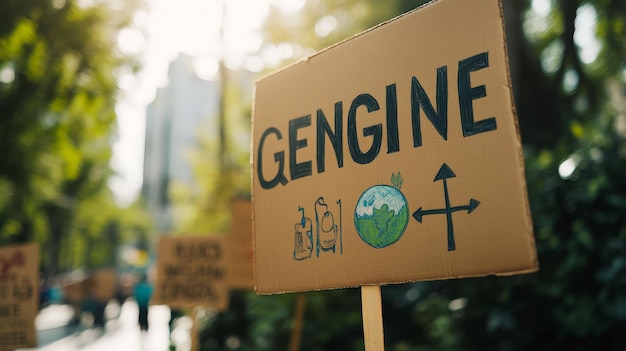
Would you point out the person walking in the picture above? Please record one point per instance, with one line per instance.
(142, 294)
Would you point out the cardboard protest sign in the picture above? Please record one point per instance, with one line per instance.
(393, 156)
(191, 271)
(104, 284)
(75, 291)
(240, 266)
(19, 295)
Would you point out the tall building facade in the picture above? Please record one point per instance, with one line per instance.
(179, 112)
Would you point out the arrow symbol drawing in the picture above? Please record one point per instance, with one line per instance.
(444, 173)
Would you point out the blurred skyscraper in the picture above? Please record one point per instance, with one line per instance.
(187, 106)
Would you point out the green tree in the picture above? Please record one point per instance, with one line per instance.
(58, 63)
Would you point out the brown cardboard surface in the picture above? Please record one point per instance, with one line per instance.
(75, 292)
(344, 196)
(191, 271)
(240, 267)
(103, 284)
(19, 295)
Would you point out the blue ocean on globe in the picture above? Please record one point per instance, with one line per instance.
(381, 215)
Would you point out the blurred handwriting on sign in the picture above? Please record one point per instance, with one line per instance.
(191, 271)
(347, 142)
(19, 294)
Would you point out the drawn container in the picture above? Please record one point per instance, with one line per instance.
(326, 227)
(303, 239)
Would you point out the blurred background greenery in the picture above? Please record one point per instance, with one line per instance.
(59, 61)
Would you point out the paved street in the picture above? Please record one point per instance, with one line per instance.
(120, 334)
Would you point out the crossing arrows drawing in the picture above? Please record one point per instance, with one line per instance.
(444, 173)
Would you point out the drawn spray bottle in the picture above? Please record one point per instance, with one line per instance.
(326, 227)
(303, 238)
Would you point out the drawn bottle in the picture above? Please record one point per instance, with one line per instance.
(303, 238)
(326, 227)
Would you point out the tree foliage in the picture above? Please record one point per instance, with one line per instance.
(58, 64)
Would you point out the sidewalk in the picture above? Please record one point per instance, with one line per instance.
(121, 334)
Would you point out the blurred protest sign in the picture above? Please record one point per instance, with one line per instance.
(19, 295)
(191, 271)
(103, 284)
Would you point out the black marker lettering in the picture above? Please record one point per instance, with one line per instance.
(376, 131)
(439, 118)
(336, 138)
(298, 170)
(279, 157)
(467, 94)
(393, 144)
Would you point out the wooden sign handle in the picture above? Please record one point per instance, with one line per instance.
(372, 318)
(195, 329)
(296, 333)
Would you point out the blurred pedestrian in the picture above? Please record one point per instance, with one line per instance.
(44, 292)
(124, 288)
(143, 293)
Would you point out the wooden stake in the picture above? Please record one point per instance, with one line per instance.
(296, 333)
(195, 334)
(372, 318)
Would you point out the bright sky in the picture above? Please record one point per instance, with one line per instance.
(157, 36)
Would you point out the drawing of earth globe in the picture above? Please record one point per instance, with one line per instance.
(381, 215)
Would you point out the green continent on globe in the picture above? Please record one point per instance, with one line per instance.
(381, 216)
